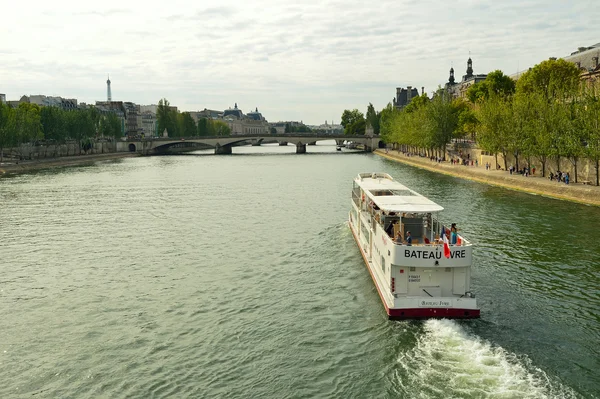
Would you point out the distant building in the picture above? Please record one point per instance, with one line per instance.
(206, 113)
(328, 128)
(133, 119)
(239, 123)
(403, 96)
(586, 59)
(149, 124)
(50, 101)
(3, 98)
(115, 107)
(459, 89)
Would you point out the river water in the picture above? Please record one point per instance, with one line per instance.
(208, 276)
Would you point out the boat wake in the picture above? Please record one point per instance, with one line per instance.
(447, 362)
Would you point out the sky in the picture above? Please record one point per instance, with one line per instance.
(300, 60)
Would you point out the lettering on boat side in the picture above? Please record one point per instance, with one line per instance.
(433, 255)
(414, 278)
(436, 304)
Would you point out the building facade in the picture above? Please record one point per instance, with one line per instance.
(50, 101)
(459, 89)
(404, 96)
(240, 123)
(586, 59)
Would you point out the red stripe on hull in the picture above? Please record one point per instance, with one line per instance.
(432, 313)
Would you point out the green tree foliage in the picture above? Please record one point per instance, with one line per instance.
(187, 125)
(27, 123)
(552, 78)
(354, 122)
(443, 118)
(53, 122)
(492, 115)
(209, 127)
(417, 102)
(166, 118)
(588, 121)
(110, 125)
(219, 128)
(301, 128)
(7, 136)
(203, 127)
(373, 119)
(467, 121)
(496, 83)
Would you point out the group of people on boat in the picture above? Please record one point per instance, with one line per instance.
(451, 234)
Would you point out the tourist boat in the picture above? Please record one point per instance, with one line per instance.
(428, 278)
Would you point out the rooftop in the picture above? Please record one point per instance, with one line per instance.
(391, 196)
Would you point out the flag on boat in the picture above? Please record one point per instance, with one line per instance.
(446, 247)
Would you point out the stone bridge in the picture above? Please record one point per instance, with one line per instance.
(224, 144)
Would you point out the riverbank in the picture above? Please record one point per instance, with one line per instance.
(576, 192)
(10, 168)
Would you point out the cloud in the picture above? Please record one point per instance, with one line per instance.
(105, 13)
(305, 59)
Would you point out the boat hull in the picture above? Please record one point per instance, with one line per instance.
(410, 312)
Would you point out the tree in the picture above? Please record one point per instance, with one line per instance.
(167, 118)
(220, 128)
(552, 78)
(353, 122)
(373, 119)
(203, 127)
(443, 119)
(417, 102)
(7, 137)
(494, 117)
(496, 83)
(110, 125)
(521, 128)
(188, 125)
(588, 120)
(467, 120)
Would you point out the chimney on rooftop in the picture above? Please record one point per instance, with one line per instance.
(422, 90)
(408, 94)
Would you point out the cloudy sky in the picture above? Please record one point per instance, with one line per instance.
(302, 60)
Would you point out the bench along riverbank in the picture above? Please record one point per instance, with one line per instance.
(576, 192)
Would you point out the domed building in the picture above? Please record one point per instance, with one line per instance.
(240, 123)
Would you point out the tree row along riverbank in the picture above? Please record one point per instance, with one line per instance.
(46, 163)
(575, 192)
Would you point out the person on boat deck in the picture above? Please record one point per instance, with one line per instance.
(453, 234)
(398, 238)
(408, 238)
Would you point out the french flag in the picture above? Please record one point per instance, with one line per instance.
(446, 247)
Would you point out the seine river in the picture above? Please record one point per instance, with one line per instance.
(204, 276)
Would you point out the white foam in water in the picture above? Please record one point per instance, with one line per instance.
(449, 363)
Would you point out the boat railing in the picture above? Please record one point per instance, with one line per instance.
(437, 241)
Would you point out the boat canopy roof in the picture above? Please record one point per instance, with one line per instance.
(391, 196)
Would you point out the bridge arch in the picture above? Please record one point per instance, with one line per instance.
(131, 147)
